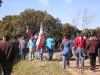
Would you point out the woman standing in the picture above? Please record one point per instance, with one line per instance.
(32, 46)
(80, 43)
(66, 51)
(92, 49)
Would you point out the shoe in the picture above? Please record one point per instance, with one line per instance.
(82, 68)
(76, 67)
(93, 70)
(30, 59)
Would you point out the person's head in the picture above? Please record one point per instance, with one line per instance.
(67, 36)
(22, 38)
(94, 38)
(78, 34)
(49, 36)
(5, 38)
(90, 38)
(81, 35)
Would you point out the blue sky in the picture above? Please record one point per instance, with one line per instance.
(62, 9)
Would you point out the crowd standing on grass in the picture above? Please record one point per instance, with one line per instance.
(81, 47)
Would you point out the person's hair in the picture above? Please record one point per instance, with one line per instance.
(78, 34)
(81, 35)
(67, 36)
(94, 38)
(90, 38)
(6, 37)
(50, 36)
(22, 37)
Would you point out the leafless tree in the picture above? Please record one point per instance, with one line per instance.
(86, 19)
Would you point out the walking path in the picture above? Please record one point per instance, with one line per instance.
(75, 71)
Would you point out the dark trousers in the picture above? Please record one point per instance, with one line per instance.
(7, 67)
(93, 60)
(0, 70)
(50, 53)
(99, 55)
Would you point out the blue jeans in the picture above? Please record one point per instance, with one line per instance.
(65, 61)
(50, 53)
(40, 54)
(80, 56)
(22, 52)
(31, 55)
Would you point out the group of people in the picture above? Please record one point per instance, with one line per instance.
(8, 51)
(31, 45)
(82, 47)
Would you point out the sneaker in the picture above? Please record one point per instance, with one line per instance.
(76, 67)
(81, 68)
(92, 70)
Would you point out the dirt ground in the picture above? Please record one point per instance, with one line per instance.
(75, 71)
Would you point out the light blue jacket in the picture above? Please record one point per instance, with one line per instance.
(49, 43)
(32, 43)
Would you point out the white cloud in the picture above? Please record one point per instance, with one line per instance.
(44, 2)
(68, 1)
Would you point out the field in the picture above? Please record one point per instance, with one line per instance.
(46, 67)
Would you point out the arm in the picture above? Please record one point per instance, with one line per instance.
(75, 44)
(88, 46)
(61, 47)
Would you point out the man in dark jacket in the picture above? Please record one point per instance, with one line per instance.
(7, 55)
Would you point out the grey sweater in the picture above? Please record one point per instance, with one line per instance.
(22, 44)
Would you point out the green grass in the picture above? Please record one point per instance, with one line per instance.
(36, 67)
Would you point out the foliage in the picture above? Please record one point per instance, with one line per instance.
(8, 26)
(91, 32)
(68, 29)
(15, 25)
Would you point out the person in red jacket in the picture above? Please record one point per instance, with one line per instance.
(80, 43)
